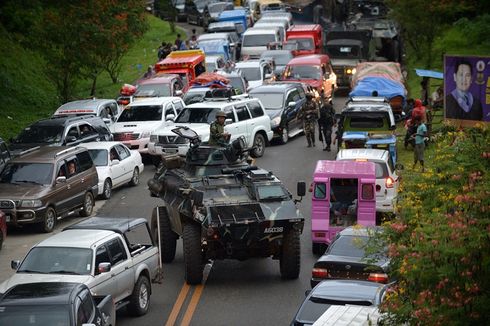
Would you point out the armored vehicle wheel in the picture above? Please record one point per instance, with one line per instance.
(88, 205)
(194, 266)
(290, 258)
(259, 144)
(167, 237)
(139, 301)
(49, 221)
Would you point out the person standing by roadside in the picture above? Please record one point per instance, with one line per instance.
(419, 136)
(325, 124)
(178, 41)
(309, 114)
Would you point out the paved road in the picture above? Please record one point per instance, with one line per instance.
(235, 293)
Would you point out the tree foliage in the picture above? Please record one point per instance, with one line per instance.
(440, 244)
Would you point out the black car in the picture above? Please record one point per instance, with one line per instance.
(339, 293)
(61, 131)
(193, 10)
(55, 303)
(5, 155)
(347, 258)
(282, 102)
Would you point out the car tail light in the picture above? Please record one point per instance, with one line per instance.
(390, 182)
(378, 188)
(378, 277)
(319, 273)
(320, 234)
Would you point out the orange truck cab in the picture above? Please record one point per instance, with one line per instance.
(308, 37)
(188, 64)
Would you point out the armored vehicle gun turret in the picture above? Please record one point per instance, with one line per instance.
(224, 208)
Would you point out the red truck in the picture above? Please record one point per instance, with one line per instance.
(308, 37)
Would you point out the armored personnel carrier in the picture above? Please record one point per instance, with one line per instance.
(224, 208)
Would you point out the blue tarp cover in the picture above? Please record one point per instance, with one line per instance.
(385, 87)
(429, 73)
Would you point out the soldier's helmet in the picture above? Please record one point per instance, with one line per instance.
(220, 114)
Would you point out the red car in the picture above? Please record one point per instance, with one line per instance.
(3, 228)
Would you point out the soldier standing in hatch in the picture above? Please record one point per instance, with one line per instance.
(309, 115)
(217, 134)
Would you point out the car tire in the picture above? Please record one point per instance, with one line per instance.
(135, 179)
(139, 301)
(284, 135)
(259, 146)
(88, 205)
(290, 261)
(193, 263)
(107, 189)
(49, 221)
(167, 237)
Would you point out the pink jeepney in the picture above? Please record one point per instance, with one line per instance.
(343, 195)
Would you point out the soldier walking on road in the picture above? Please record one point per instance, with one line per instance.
(325, 124)
(309, 114)
(217, 134)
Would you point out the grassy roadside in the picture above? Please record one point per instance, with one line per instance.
(28, 95)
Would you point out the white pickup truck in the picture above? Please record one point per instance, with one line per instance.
(112, 256)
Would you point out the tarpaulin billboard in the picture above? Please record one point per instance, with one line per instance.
(467, 89)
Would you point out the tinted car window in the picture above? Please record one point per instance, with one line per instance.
(87, 305)
(19, 173)
(99, 156)
(242, 113)
(255, 109)
(137, 237)
(40, 134)
(84, 160)
(352, 246)
(122, 151)
(141, 113)
(116, 251)
(197, 115)
(273, 101)
(178, 106)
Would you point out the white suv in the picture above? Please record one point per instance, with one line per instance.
(140, 118)
(244, 117)
(387, 181)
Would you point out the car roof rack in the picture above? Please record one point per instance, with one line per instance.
(70, 149)
(29, 150)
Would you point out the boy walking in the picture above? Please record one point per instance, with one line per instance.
(418, 153)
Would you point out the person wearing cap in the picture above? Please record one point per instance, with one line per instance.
(309, 115)
(217, 134)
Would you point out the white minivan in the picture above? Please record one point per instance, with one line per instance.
(107, 109)
(140, 118)
(255, 41)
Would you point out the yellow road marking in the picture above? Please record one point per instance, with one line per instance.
(192, 305)
(178, 305)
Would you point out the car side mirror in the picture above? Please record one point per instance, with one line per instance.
(399, 166)
(14, 264)
(71, 139)
(301, 188)
(115, 162)
(170, 117)
(228, 122)
(292, 104)
(61, 179)
(178, 93)
(104, 268)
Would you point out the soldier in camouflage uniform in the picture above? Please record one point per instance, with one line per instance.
(217, 134)
(309, 114)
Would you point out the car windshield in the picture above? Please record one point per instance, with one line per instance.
(251, 73)
(197, 115)
(153, 90)
(36, 173)
(351, 246)
(217, 7)
(343, 51)
(281, 59)
(305, 43)
(237, 83)
(40, 134)
(141, 113)
(195, 95)
(270, 101)
(258, 40)
(270, 192)
(29, 315)
(99, 156)
(57, 260)
(303, 72)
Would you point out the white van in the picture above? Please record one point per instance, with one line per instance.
(107, 109)
(279, 24)
(255, 41)
(269, 19)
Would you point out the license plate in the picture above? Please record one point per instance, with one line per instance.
(170, 150)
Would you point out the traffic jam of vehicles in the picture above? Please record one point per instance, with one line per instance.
(269, 77)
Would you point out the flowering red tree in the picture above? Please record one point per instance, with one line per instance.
(440, 244)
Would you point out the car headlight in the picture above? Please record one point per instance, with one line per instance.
(351, 71)
(153, 138)
(31, 203)
(145, 134)
(275, 122)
